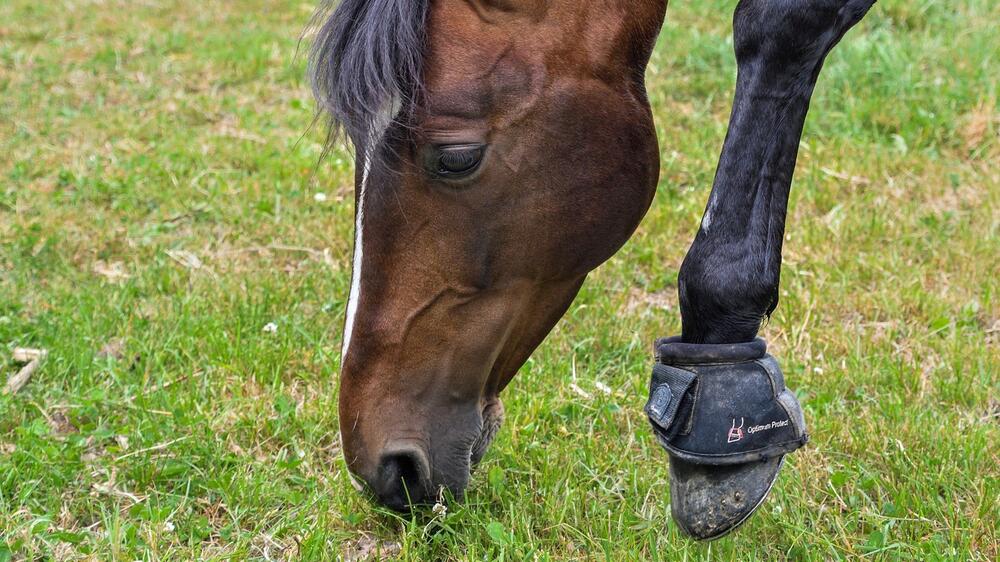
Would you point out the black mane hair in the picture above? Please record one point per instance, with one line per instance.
(365, 64)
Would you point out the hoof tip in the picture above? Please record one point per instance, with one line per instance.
(708, 502)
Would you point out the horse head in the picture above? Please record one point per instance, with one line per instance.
(504, 149)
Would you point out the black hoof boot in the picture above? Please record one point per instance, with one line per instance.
(724, 416)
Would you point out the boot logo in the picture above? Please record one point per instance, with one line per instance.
(735, 433)
(767, 426)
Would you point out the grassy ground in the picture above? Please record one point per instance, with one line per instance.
(158, 207)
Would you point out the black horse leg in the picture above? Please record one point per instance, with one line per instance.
(729, 280)
(718, 403)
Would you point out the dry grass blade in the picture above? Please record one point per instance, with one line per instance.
(34, 357)
(185, 258)
(27, 354)
(369, 548)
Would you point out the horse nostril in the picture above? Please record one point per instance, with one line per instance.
(403, 477)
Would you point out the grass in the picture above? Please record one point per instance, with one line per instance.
(158, 201)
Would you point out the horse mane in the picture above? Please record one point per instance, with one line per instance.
(365, 64)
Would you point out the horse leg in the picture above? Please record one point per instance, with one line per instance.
(728, 281)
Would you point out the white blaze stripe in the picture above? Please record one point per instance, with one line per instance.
(352, 300)
(375, 131)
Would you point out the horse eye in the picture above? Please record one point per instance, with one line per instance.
(456, 161)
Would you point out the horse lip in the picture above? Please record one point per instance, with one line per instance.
(492, 416)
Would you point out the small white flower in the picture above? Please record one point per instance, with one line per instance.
(440, 509)
(270, 328)
(319, 197)
(168, 527)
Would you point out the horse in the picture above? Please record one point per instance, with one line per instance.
(506, 148)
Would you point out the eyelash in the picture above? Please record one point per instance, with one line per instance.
(455, 161)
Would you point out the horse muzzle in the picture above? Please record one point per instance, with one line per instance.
(403, 476)
(408, 471)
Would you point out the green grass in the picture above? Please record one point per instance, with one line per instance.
(135, 135)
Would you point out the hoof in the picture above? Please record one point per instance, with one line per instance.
(726, 419)
(707, 502)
